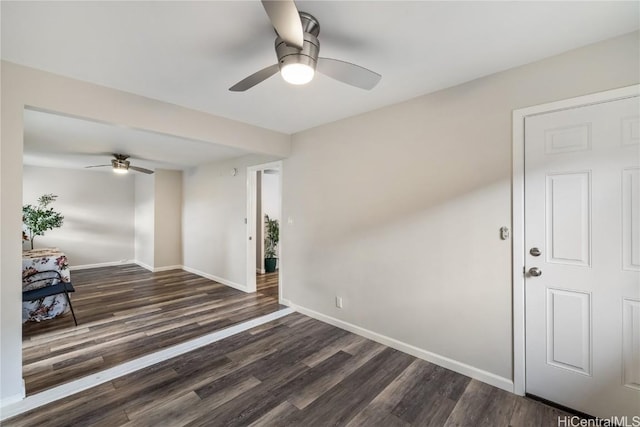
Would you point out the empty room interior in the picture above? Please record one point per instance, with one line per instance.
(279, 213)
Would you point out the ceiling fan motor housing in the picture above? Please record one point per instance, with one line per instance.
(308, 55)
(120, 164)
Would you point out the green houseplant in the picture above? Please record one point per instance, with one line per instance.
(271, 239)
(40, 218)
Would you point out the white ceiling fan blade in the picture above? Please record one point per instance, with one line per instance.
(285, 19)
(96, 166)
(348, 73)
(139, 169)
(255, 78)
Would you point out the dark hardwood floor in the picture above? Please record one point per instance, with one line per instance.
(126, 312)
(294, 371)
(267, 284)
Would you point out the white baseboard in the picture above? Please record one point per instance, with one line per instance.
(143, 265)
(283, 301)
(101, 264)
(18, 397)
(445, 362)
(125, 261)
(167, 268)
(226, 282)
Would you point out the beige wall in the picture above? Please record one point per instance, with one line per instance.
(398, 210)
(168, 218)
(158, 219)
(23, 86)
(145, 220)
(98, 211)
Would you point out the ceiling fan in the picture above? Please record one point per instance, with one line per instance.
(120, 164)
(297, 49)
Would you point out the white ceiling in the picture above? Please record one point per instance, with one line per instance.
(190, 53)
(52, 140)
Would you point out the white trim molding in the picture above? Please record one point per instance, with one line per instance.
(11, 400)
(225, 282)
(123, 262)
(445, 362)
(167, 268)
(251, 221)
(518, 209)
(143, 265)
(101, 264)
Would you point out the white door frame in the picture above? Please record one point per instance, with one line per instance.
(518, 249)
(251, 224)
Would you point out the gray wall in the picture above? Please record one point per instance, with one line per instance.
(213, 219)
(98, 209)
(271, 195)
(112, 218)
(398, 210)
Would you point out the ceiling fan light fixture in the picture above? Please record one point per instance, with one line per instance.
(120, 166)
(297, 49)
(297, 73)
(298, 66)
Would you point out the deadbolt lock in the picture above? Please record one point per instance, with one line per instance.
(535, 252)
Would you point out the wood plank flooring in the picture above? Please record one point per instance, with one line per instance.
(126, 312)
(267, 284)
(294, 371)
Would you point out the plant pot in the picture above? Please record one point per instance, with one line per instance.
(270, 264)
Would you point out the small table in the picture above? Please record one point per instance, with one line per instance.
(41, 260)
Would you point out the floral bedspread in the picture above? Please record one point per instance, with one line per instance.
(41, 260)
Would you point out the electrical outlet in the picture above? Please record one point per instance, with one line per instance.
(339, 302)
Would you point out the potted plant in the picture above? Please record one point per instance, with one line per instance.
(271, 239)
(40, 218)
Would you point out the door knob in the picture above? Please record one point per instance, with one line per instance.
(535, 272)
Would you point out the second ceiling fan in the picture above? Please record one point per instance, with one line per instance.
(297, 49)
(120, 164)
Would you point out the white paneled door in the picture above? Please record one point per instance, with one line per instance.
(582, 237)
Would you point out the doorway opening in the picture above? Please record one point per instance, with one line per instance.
(264, 219)
(130, 284)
